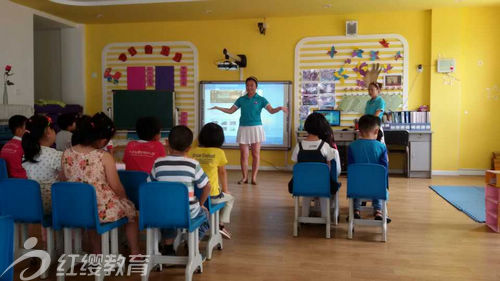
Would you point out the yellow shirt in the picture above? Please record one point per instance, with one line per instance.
(210, 159)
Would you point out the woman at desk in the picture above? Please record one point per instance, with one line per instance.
(250, 131)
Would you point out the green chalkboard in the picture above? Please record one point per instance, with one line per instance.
(128, 106)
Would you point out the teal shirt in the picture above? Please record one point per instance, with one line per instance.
(375, 104)
(251, 109)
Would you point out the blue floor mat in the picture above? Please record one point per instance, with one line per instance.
(468, 199)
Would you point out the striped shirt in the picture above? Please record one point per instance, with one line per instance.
(181, 169)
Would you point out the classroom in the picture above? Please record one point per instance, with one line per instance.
(249, 140)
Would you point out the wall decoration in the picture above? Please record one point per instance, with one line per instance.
(313, 69)
(384, 43)
(393, 80)
(122, 57)
(327, 75)
(398, 55)
(132, 51)
(357, 53)
(136, 78)
(340, 75)
(149, 56)
(165, 50)
(177, 57)
(332, 52)
(374, 55)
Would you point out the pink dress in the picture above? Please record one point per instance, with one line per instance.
(88, 168)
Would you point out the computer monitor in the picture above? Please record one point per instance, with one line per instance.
(332, 116)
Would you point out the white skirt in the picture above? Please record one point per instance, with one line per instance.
(250, 134)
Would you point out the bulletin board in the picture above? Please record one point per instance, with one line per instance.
(161, 66)
(329, 74)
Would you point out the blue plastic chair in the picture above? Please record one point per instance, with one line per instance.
(3, 169)
(131, 181)
(74, 206)
(166, 205)
(311, 179)
(6, 249)
(21, 199)
(367, 182)
(215, 238)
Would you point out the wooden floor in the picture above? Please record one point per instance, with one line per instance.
(428, 239)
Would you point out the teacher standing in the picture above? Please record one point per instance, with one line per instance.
(250, 131)
(376, 105)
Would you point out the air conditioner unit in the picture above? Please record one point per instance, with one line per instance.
(351, 28)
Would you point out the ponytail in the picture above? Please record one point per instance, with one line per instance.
(35, 130)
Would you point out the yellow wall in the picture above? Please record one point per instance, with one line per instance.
(464, 113)
(480, 118)
(270, 57)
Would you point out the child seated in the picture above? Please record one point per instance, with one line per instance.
(86, 162)
(316, 148)
(368, 150)
(213, 160)
(140, 155)
(12, 151)
(177, 167)
(41, 162)
(67, 124)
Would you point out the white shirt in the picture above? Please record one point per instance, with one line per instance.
(46, 170)
(327, 151)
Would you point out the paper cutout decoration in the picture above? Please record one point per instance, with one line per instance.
(136, 78)
(116, 77)
(165, 50)
(398, 55)
(332, 52)
(183, 120)
(361, 68)
(347, 61)
(340, 75)
(122, 57)
(132, 51)
(361, 83)
(107, 74)
(148, 49)
(150, 76)
(164, 80)
(177, 57)
(384, 43)
(374, 55)
(387, 67)
(183, 73)
(357, 53)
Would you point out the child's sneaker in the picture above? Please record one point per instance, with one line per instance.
(224, 232)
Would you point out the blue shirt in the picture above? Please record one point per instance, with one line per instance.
(251, 109)
(375, 104)
(367, 151)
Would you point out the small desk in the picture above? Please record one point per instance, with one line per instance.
(420, 150)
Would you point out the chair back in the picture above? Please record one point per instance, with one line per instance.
(368, 181)
(6, 249)
(164, 205)
(311, 180)
(131, 181)
(21, 199)
(3, 169)
(74, 205)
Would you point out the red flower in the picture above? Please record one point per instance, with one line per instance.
(8, 68)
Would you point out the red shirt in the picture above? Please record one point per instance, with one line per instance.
(141, 155)
(12, 152)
